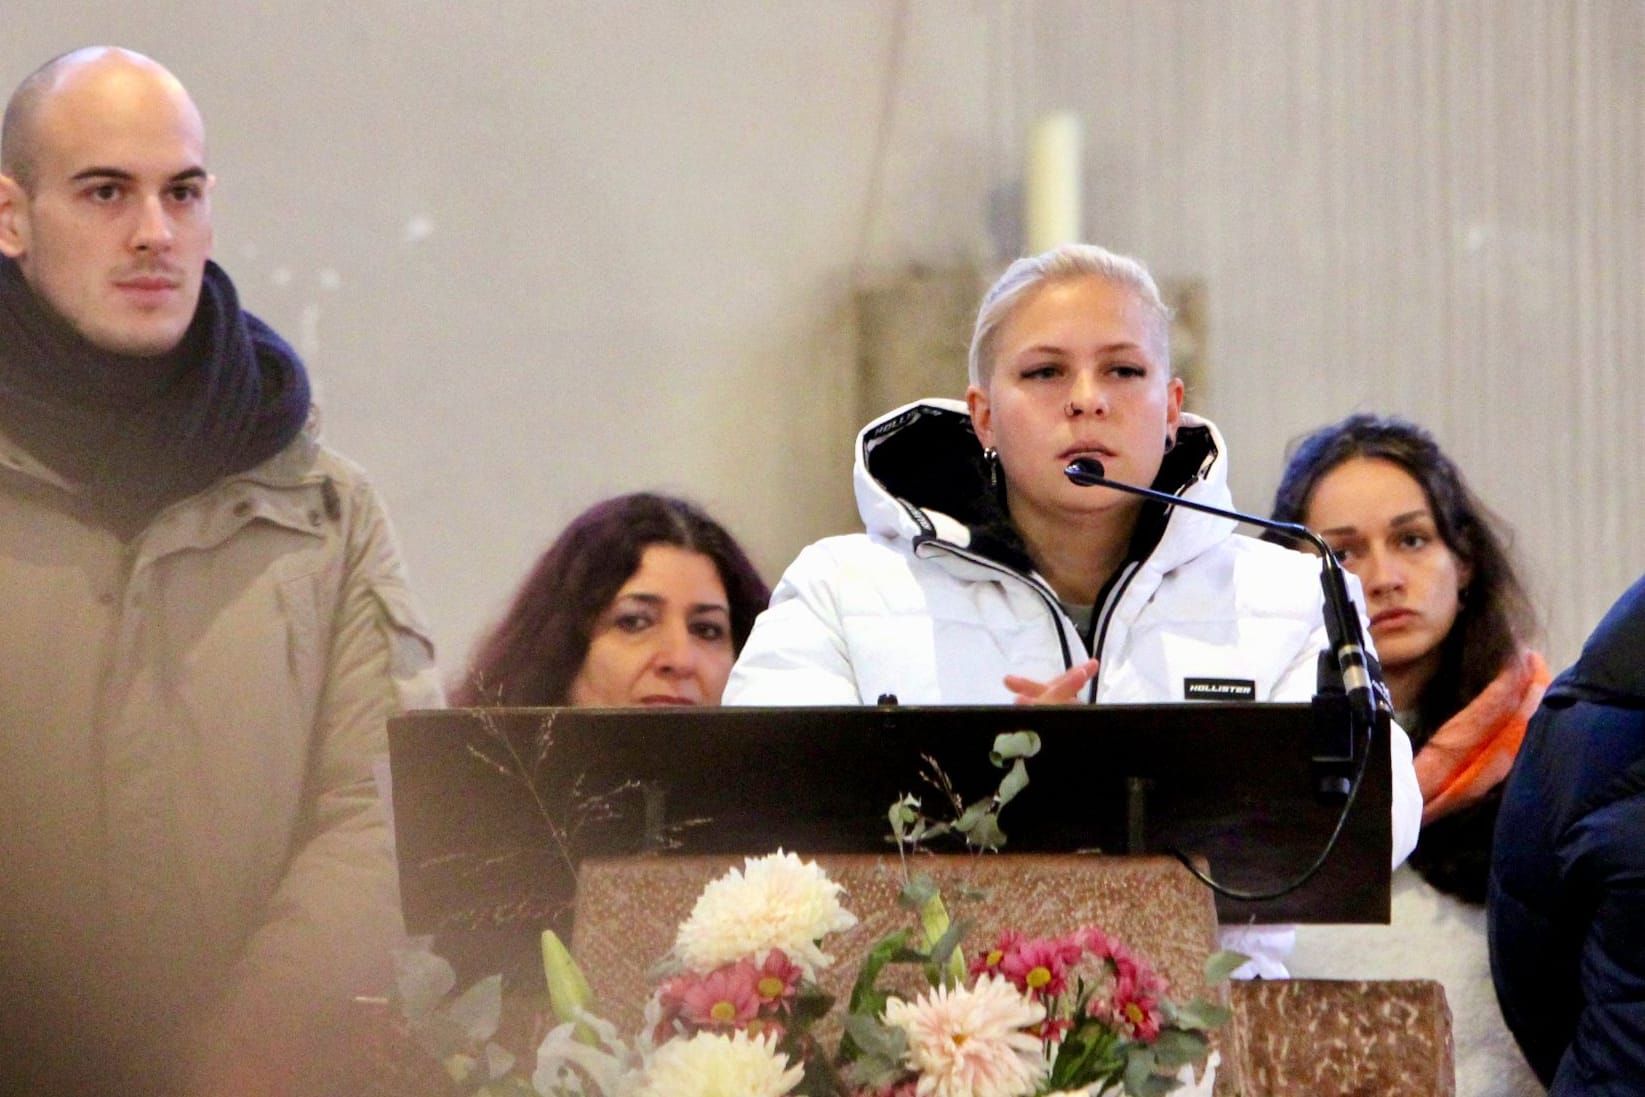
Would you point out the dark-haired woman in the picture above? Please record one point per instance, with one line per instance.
(642, 600)
(1450, 621)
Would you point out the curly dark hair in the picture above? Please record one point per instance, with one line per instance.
(1494, 618)
(535, 652)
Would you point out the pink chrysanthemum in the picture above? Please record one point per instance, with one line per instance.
(670, 1000)
(990, 961)
(1136, 1003)
(722, 1000)
(1040, 967)
(972, 1043)
(1132, 1005)
(1095, 942)
(1052, 1029)
(776, 981)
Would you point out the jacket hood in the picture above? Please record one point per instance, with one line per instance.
(1611, 669)
(920, 475)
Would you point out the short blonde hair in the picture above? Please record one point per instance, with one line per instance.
(1061, 264)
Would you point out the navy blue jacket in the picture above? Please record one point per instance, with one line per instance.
(1567, 892)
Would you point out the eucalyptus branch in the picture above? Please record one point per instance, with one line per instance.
(978, 821)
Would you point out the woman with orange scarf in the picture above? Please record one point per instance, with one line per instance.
(1449, 620)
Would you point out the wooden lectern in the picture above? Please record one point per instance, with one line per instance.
(613, 820)
(495, 807)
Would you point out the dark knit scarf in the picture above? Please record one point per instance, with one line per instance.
(135, 434)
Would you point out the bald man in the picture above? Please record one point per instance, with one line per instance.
(204, 623)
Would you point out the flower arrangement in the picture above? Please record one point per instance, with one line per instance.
(736, 1002)
(1079, 1013)
(735, 1006)
(734, 1010)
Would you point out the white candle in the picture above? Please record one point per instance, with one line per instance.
(1052, 190)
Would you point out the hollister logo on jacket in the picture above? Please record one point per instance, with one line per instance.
(1219, 689)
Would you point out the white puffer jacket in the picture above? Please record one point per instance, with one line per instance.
(930, 607)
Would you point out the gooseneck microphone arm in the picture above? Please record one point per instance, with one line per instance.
(1366, 694)
(1341, 617)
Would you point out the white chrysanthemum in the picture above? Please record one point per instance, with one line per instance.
(972, 1043)
(713, 1065)
(776, 901)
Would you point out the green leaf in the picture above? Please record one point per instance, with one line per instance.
(946, 957)
(899, 817)
(1176, 1046)
(865, 997)
(442, 1036)
(909, 826)
(1087, 1054)
(1221, 964)
(1014, 782)
(873, 1037)
(918, 891)
(422, 979)
(1202, 1015)
(480, 1009)
(1155, 1085)
(1139, 1068)
(875, 1050)
(974, 814)
(1014, 744)
(933, 830)
(943, 937)
(986, 834)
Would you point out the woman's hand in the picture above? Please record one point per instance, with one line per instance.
(1064, 689)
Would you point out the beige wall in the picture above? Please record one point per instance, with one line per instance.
(540, 252)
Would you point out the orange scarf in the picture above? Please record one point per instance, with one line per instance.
(1473, 751)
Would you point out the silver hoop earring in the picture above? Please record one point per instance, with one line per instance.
(991, 458)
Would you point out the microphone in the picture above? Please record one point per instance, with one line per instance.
(1367, 695)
